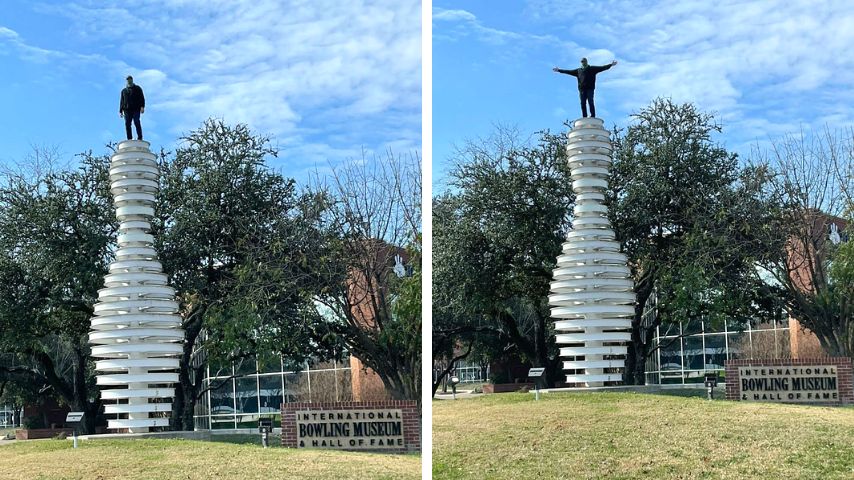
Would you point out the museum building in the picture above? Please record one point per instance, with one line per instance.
(684, 352)
(238, 394)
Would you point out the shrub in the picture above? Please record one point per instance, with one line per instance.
(33, 421)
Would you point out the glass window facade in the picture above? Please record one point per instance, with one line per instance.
(238, 395)
(683, 354)
(10, 416)
(466, 371)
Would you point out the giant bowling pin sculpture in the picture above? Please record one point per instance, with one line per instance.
(136, 331)
(592, 295)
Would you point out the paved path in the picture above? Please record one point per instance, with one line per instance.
(460, 394)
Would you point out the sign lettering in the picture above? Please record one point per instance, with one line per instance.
(796, 384)
(74, 417)
(350, 429)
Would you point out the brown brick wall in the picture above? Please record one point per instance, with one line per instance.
(803, 342)
(409, 408)
(35, 433)
(366, 384)
(803, 250)
(843, 365)
(506, 387)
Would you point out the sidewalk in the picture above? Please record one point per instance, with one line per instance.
(460, 394)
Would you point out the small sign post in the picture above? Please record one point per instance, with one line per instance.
(74, 419)
(265, 426)
(711, 381)
(536, 374)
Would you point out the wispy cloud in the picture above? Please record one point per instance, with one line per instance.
(772, 60)
(325, 77)
(18, 46)
(457, 24)
(764, 68)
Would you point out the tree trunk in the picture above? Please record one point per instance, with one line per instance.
(176, 421)
(634, 373)
(184, 402)
(541, 331)
(554, 372)
(635, 369)
(401, 386)
(536, 351)
(90, 410)
(828, 327)
(178, 403)
(81, 401)
(447, 370)
(75, 392)
(189, 409)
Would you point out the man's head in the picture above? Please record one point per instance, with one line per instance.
(130, 80)
(584, 62)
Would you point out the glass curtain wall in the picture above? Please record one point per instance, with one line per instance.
(10, 416)
(466, 371)
(685, 352)
(238, 394)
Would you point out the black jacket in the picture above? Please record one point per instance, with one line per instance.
(586, 76)
(132, 99)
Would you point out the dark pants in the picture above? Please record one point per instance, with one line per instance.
(587, 97)
(133, 115)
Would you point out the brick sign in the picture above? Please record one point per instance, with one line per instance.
(358, 429)
(390, 426)
(825, 381)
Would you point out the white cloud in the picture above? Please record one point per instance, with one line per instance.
(28, 52)
(280, 67)
(466, 23)
(771, 59)
(764, 68)
(440, 14)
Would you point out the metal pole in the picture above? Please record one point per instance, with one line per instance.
(74, 435)
(537, 393)
(264, 438)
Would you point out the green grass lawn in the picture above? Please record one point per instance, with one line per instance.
(190, 460)
(638, 436)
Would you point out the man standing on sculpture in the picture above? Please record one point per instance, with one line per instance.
(586, 83)
(131, 106)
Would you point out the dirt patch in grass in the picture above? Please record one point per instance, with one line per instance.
(190, 460)
(634, 436)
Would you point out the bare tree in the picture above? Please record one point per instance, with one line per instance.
(807, 269)
(376, 218)
(43, 160)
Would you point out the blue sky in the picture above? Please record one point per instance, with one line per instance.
(765, 68)
(326, 79)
